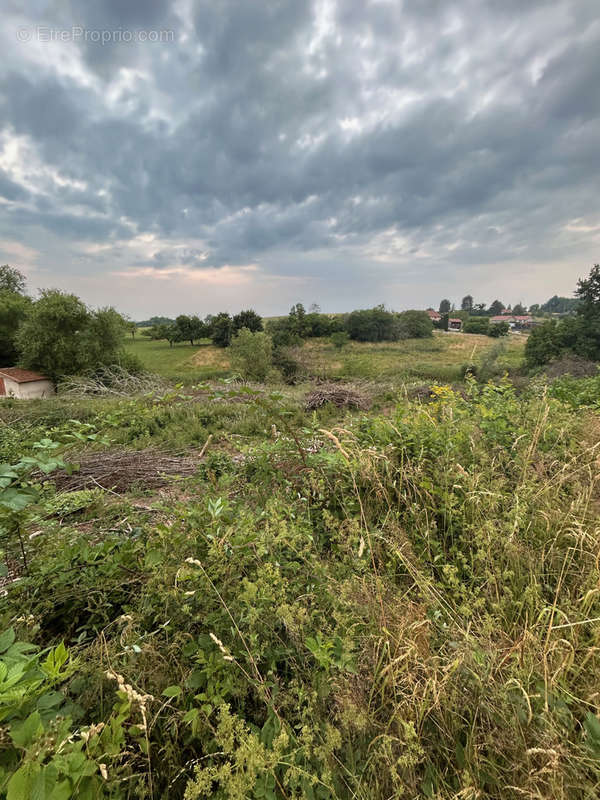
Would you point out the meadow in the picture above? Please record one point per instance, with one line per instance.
(221, 590)
(438, 358)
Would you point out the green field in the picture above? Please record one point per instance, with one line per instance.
(439, 358)
(182, 362)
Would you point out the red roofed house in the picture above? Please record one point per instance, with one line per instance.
(454, 324)
(515, 320)
(434, 316)
(24, 384)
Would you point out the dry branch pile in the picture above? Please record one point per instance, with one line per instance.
(341, 396)
(118, 470)
(114, 381)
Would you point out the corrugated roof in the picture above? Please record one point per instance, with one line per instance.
(21, 375)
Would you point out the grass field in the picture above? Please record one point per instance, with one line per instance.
(182, 362)
(439, 358)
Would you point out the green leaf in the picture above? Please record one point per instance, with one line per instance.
(62, 791)
(191, 715)
(21, 784)
(25, 733)
(16, 499)
(50, 699)
(6, 639)
(153, 557)
(172, 691)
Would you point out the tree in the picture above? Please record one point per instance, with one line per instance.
(221, 329)
(14, 308)
(297, 319)
(251, 354)
(534, 309)
(414, 325)
(496, 308)
(11, 280)
(588, 294)
(189, 329)
(321, 325)
(247, 319)
(61, 336)
(519, 309)
(445, 306)
(103, 336)
(478, 309)
(131, 327)
(283, 333)
(560, 305)
(168, 331)
(466, 303)
(373, 325)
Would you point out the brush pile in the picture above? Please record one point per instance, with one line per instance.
(340, 396)
(119, 470)
(112, 381)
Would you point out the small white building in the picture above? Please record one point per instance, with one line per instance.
(24, 384)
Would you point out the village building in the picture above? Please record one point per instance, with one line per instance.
(454, 324)
(515, 321)
(24, 384)
(434, 316)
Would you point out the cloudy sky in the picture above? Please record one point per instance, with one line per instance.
(214, 155)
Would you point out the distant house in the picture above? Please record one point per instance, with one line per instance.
(454, 324)
(434, 316)
(24, 384)
(518, 321)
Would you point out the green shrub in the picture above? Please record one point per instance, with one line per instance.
(479, 325)
(373, 325)
(414, 325)
(251, 354)
(339, 339)
(577, 392)
(498, 329)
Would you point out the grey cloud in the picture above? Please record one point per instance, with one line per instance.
(263, 135)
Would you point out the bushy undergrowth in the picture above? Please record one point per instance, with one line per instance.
(399, 605)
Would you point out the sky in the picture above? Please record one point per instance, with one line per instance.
(192, 156)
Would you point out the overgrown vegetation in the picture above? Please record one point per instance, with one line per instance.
(327, 603)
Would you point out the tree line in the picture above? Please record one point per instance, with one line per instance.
(219, 328)
(364, 325)
(555, 305)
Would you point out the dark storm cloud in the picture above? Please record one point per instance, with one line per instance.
(464, 130)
